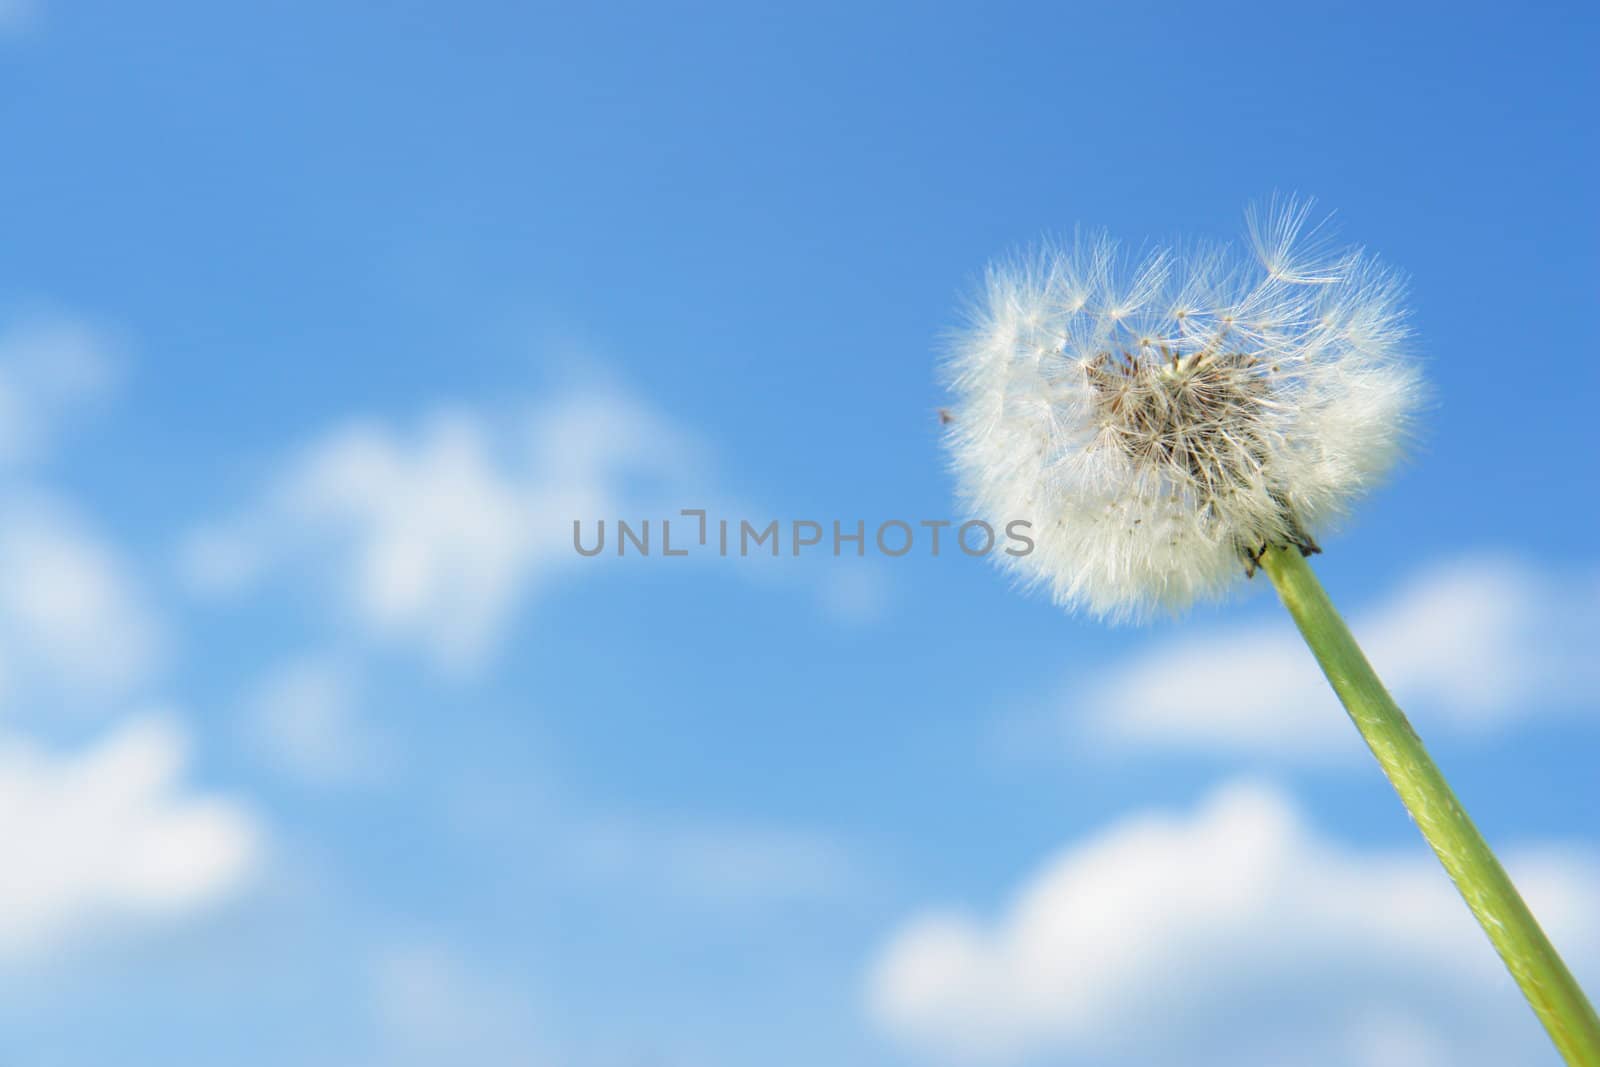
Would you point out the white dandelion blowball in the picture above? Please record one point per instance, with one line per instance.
(1160, 421)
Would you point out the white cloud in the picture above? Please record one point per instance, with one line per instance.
(111, 833)
(72, 618)
(304, 718)
(49, 367)
(1467, 646)
(1232, 934)
(436, 537)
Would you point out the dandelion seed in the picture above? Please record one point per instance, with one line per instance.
(1161, 421)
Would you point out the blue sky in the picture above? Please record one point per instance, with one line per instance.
(320, 323)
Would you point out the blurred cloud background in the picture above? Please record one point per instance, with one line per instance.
(319, 323)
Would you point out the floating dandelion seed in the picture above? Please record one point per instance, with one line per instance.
(1170, 424)
(1160, 422)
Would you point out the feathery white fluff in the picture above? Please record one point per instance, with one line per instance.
(1160, 420)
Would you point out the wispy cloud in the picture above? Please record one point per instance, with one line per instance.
(73, 618)
(305, 718)
(1141, 944)
(1470, 646)
(112, 834)
(716, 863)
(672, 859)
(431, 1004)
(50, 368)
(434, 536)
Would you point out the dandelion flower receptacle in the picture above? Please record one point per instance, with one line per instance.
(1173, 422)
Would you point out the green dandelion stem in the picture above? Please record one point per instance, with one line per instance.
(1527, 952)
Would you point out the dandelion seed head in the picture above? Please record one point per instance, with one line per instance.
(1158, 419)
